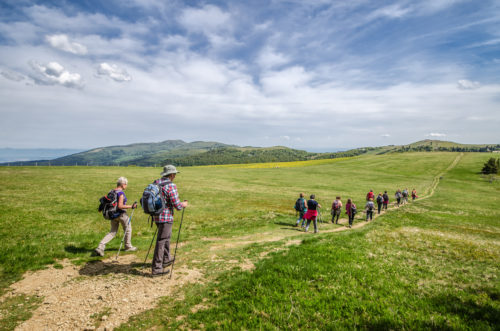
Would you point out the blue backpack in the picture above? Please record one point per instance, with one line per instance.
(152, 201)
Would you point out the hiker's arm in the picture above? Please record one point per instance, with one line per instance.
(174, 198)
(122, 206)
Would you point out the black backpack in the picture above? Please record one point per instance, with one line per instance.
(353, 210)
(380, 199)
(108, 205)
(299, 205)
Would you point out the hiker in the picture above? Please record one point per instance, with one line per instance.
(369, 207)
(405, 195)
(350, 209)
(300, 206)
(165, 220)
(370, 195)
(386, 200)
(120, 217)
(414, 194)
(380, 202)
(336, 210)
(398, 196)
(312, 213)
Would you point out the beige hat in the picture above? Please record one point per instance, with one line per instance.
(169, 169)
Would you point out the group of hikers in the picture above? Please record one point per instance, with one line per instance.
(162, 257)
(309, 210)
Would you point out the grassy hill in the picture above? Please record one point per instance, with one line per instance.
(429, 145)
(431, 264)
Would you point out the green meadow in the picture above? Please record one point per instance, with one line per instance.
(430, 264)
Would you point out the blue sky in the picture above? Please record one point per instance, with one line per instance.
(304, 74)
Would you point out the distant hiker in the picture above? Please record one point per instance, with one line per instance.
(370, 195)
(398, 196)
(312, 213)
(350, 209)
(386, 200)
(300, 206)
(369, 207)
(405, 195)
(380, 202)
(336, 210)
(165, 220)
(119, 217)
(414, 194)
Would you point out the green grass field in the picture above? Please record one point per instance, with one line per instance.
(433, 263)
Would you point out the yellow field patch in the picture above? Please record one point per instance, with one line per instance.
(279, 164)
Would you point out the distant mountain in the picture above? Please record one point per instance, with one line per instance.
(182, 153)
(31, 154)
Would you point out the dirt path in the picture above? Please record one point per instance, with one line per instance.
(104, 294)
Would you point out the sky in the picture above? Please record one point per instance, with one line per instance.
(299, 73)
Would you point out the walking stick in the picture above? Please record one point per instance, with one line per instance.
(151, 245)
(126, 228)
(175, 252)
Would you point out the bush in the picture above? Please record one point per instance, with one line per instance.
(491, 167)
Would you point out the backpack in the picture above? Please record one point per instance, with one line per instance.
(335, 205)
(353, 210)
(108, 205)
(152, 201)
(370, 207)
(380, 199)
(299, 205)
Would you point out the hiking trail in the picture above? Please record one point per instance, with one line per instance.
(104, 294)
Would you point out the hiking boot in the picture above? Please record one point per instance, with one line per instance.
(131, 249)
(99, 252)
(159, 274)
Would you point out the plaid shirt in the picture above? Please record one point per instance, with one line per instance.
(169, 191)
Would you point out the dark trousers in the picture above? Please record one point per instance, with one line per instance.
(162, 248)
(335, 216)
(369, 213)
(351, 218)
(385, 205)
(379, 205)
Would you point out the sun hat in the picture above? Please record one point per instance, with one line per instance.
(169, 169)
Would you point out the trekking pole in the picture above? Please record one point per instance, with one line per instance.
(151, 245)
(175, 252)
(126, 228)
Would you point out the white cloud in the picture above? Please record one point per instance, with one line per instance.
(436, 135)
(114, 72)
(62, 42)
(207, 19)
(285, 137)
(465, 84)
(269, 58)
(54, 74)
(12, 75)
(385, 135)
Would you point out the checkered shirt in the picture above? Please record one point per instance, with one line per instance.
(169, 191)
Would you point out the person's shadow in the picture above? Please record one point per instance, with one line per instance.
(98, 267)
(77, 250)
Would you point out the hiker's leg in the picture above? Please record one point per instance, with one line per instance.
(111, 234)
(338, 215)
(123, 219)
(157, 265)
(307, 225)
(315, 222)
(166, 255)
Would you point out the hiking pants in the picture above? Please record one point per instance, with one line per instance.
(385, 205)
(301, 217)
(369, 213)
(336, 215)
(315, 222)
(115, 224)
(379, 205)
(351, 218)
(399, 200)
(162, 248)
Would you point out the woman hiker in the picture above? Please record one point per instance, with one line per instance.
(369, 207)
(121, 217)
(300, 207)
(380, 201)
(350, 209)
(312, 213)
(386, 200)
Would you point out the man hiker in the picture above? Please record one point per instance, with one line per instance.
(398, 196)
(300, 206)
(369, 207)
(350, 209)
(165, 220)
(386, 200)
(336, 210)
(120, 217)
(312, 213)
(380, 201)
(405, 195)
(370, 195)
